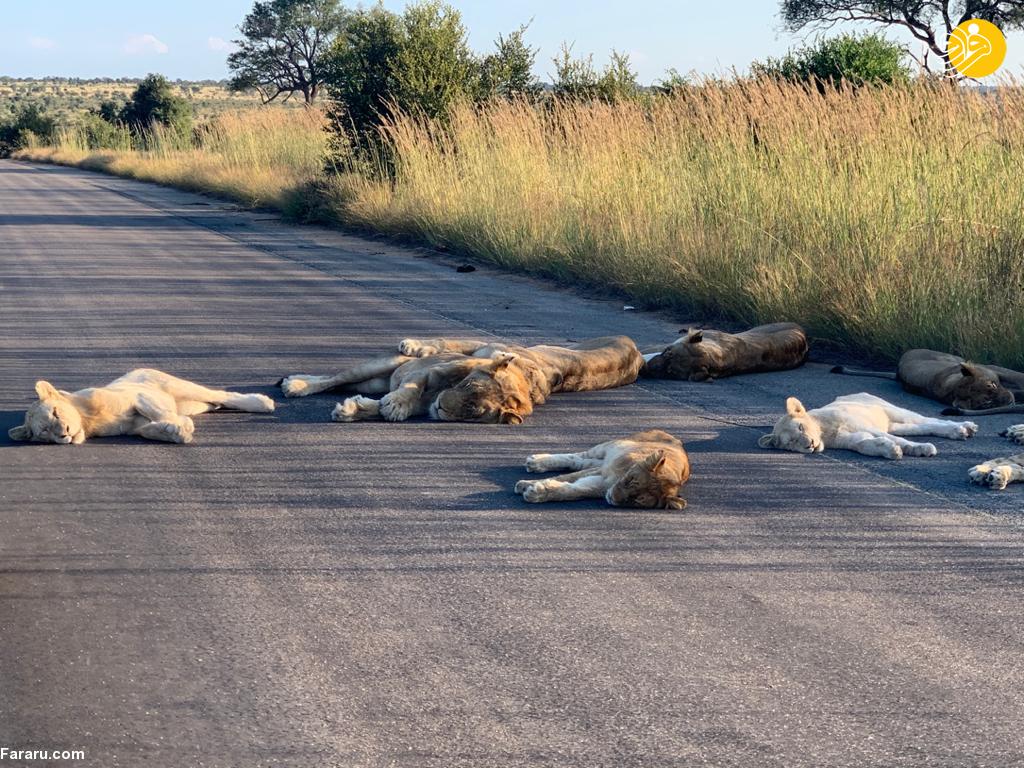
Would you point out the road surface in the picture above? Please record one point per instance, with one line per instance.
(288, 591)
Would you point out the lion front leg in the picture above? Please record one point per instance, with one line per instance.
(587, 484)
(430, 347)
(356, 408)
(180, 431)
(869, 444)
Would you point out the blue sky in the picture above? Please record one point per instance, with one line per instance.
(188, 38)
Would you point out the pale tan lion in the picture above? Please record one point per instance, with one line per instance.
(144, 402)
(471, 379)
(999, 473)
(862, 423)
(644, 470)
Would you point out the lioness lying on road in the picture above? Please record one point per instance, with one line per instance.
(144, 402)
(644, 470)
(862, 423)
(704, 355)
(971, 388)
(999, 473)
(473, 380)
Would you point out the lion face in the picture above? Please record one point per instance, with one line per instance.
(648, 484)
(796, 431)
(687, 359)
(51, 419)
(495, 394)
(980, 389)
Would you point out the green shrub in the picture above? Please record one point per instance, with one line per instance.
(868, 59)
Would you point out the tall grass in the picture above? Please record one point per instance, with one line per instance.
(887, 218)
(258, 157)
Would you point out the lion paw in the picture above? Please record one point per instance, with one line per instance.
(414, 348)
(964, 430)
(536, 462)
(535, 493)
(522, 485)
(296, 386)
(396, 407)
(260, 404)
(996, 478)
(921, 449)
(1015, 433)
(346, 411)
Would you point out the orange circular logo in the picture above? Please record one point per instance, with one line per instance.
(976, 48)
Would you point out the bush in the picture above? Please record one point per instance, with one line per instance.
(576, 79)
(153, 101)
(860, 60)
(29, 121)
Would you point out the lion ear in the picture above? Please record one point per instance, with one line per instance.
(46, 391)
(966, 369)
(19, 433)
(767, 441)
(510, 417)
(501, 360)
(694, 336)
(655, 460)
(794, 407)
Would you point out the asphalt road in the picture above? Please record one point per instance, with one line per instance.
(289, 591)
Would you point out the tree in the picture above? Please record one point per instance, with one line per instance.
(434, 66)
(360, 69)
(930, 21)
(417, 62)
(282, 47)
(154, 101)
(577, 79)
(508, 72)
(859, 60)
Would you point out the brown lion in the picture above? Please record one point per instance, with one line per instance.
(472, 380)
(645, 470)
(971, 389)
(704, 355)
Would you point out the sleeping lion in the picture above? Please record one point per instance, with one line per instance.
(971, 389)
(999, 473)
(472, 380)
(705, 355)
(862, 423)
(144, 402)
(645, 470)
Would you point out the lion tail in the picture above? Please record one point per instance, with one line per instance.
(848, 371)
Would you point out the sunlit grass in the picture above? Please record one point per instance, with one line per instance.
(258, 157)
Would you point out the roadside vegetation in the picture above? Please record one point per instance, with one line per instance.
(831, 188)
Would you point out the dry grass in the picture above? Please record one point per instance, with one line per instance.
(257, 157)
(890, 219)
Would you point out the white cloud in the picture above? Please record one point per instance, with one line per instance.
(42, 43)
(139, 44)
(219, 44)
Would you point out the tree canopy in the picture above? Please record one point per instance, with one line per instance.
(281, 48)
(929, 21)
